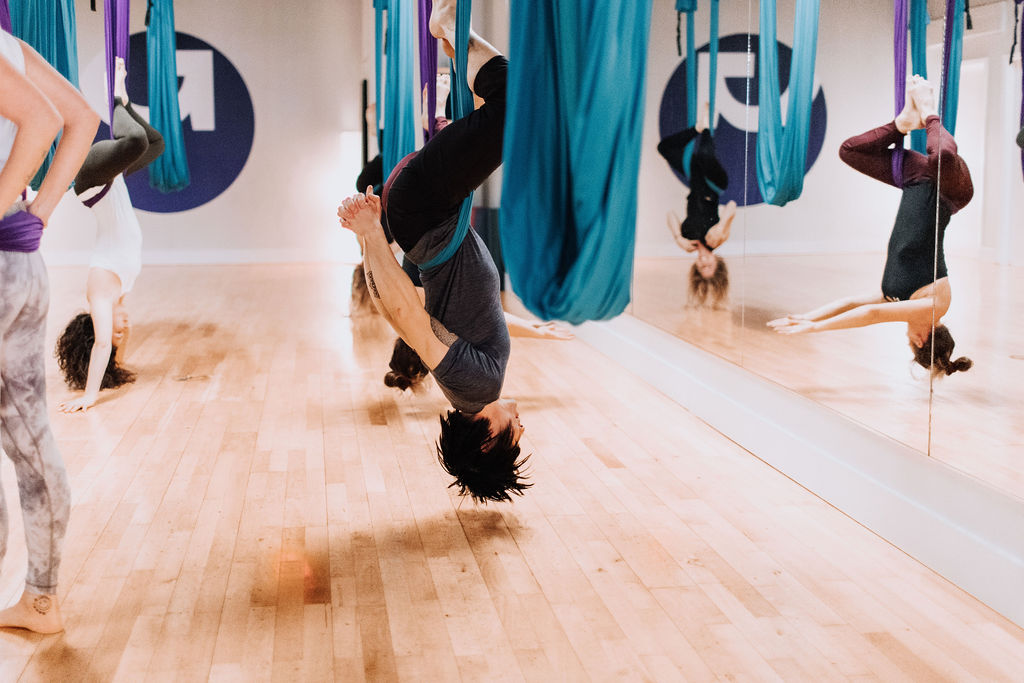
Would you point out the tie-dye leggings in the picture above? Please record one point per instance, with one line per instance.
(24, 424)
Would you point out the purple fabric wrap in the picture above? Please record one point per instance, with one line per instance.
(5, 16)
(899, 54)
(95, 199)
(115, 33)
(20, 232)
(428, 66)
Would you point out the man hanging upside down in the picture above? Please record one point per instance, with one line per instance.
(458, 329)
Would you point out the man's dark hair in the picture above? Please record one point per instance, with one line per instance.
(486, 467)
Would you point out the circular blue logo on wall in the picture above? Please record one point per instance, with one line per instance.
(217, 117)
(735, 145)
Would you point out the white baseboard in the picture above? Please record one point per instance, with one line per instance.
(962, 528)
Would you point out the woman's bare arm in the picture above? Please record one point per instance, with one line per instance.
(80, 123)
(38, 123)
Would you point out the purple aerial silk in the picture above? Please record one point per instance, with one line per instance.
(900, 14)
(115, 33)
(428, 67)
(5, 17)
(21, 232)
(1020, 2)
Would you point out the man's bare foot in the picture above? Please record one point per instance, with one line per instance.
(120, 75)
(34, 612)
(442, 20)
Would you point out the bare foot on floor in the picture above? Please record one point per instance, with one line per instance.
(34, 612)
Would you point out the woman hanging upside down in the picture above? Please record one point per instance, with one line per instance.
(91, 350)
(915, 286)
(691, 152)
(459, 330)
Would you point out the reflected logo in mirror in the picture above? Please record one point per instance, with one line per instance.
(735, 125)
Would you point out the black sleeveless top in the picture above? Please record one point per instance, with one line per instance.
(913, 262)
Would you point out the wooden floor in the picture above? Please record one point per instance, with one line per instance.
(260, 507)
(868, 374)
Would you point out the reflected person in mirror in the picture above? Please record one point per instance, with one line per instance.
(915, 286)
(691, 152)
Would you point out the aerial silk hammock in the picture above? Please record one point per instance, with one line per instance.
(49, 27)
(5, 16)
(115, 40)
(462, 105)
(572, 154)
(782, 151)
(396, 121)
(689, 7)
(428, 67)
(169, 171)
(952, 55)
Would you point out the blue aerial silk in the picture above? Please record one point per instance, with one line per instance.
(169, 171)
(400, 82)
(572, 154)
(462, 105)
(49, 27)
(689, 7)
(953, 52)
(782, 152)
(919, 21)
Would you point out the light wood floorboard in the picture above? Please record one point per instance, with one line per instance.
(260, 507)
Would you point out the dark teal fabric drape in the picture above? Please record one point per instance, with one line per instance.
(49, 27)
(169, 172)
(572, 154)
(399, 83)
(462, 104)
(782, 151)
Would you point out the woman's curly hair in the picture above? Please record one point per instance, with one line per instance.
(74, 348)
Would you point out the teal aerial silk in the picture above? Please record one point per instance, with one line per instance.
(782, 151)
(49, 27)
(399, 138)
(952, 55)
(689, 8)
(169, 172)
(462, 104)
(572, 154)
(919, 21)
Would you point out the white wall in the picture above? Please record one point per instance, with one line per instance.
(302, 66)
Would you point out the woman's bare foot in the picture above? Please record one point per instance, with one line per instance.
(910, 118)
(444, 86)
(34, 612)
(922, 94)
(120, 75)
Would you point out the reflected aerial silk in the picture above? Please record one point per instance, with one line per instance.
(572, 154)
(782, 151)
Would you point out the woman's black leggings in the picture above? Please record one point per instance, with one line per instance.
(452, 164)
(135, 145)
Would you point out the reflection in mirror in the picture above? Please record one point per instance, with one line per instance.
(976, 417)
(697, 125)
